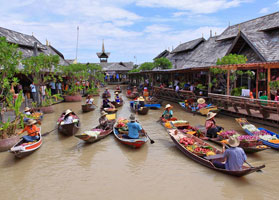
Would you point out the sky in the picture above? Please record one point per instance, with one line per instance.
(132, 30)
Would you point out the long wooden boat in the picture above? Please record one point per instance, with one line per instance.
(104, 95)
(202, 111)
(202, 160)
(134, 143)
(132, 95)
(103, 133)
(68, 129)
(22, 148)
(87, 108)
(117, 105)
(141, 111)
(243, 121)
(247, 149)
(109, 110)
(119, 91)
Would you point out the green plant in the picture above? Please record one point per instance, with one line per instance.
(274, 85)
(201, 87)
(162, 63)
(237, 91)
(232, 59)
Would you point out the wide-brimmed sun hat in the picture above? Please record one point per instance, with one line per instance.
(210, 115)
(103, 113)
(233, 142)
(141, 98)
(132, 118)
(168, 106)
(68, 111)
(27, 109)
(116, 93)
(201, 101)
(31, 122)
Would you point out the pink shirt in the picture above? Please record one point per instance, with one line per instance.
(209, 124)
(202, 105)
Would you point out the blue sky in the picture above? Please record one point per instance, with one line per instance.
(130, 28)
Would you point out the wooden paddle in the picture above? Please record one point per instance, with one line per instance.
(46, 133)
(259, 170)
(151, 141)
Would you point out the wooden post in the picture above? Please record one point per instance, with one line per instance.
(257, 84)
(209, 82)
(228, 82)
(172, 80)
(268, 80)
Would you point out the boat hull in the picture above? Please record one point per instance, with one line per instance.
(87, 108)
(69, 129)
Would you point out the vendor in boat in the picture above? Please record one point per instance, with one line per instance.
(117, 98)
(107, 103)
(89, 100)
(201, 103)
(103, 121)
(211, 128)
(234, 156)
(27, 112)
(135, 90)
(69, 117)
(141, 102)
(168, 113)
(118, 87)
(134, 128)
(32, 131)
(106, 91)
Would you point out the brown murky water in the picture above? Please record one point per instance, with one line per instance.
(66, 168)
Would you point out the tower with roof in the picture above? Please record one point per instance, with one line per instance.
(103, 55)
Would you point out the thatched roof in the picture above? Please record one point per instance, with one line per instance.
(164, 54)
(117, 66)
(187, 46)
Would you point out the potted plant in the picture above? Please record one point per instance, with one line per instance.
(8, 136)
(274, 86)
(48, 101)
(201, 89)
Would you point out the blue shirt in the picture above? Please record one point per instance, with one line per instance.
(59, 86)
(235, 158)
(52, 85)
(168, 114)
(134, 129)
(33, 88)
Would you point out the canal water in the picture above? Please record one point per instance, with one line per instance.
(67, 168)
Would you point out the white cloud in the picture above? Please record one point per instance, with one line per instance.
(264, 10)
(156, 28)
(277, 3)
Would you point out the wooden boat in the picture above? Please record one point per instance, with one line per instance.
(202, 160)
(103, 133)
(109, 110)
(202, 111)
(119, 91)
(134, 143)
(141, 111)
(22, 149)
(132, 95)
(87, 108)
(243, 121)
(104, 95)
(154, 100)
(247, 149)
(117, 105)
(68, 129)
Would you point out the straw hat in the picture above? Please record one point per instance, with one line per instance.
(116, 93)
(233, 142)
(68, 111)
(210, 115)
(141, 98)
(27, 109)
(103, 113)
(132, 118)
(31, 122)
(201, 101)
(168, 106)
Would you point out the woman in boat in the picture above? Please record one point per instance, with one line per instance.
(107, 103)
(32, 131)
(201, 103)
(234, 156)
(107, 92)
(168, 113)
(117, 98)
(89, 100)
(135, 90)
(118, 87)
(134, 128)
(141, 102)
(211, 128)
(103, 121)
(69, 117)
(27, 112)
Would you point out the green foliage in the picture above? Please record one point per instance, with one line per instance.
(201, 87)
(146, 66)
(9, 60)
(237, 91)
(162, 63)
(134, 70)
(274, 85)
(232, 59)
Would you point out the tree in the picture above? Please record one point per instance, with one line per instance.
(41, 69)
(9, 60)
(232, 59)
(146, 66)
(162, 63)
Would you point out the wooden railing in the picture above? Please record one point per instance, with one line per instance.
(170, 94)
(265, 107)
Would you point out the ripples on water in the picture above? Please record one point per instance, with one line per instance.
(67, 168)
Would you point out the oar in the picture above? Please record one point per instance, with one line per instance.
(151, 141)
(259, 170)
(46, 133)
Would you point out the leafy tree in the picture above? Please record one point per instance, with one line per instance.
(162, 63)
(134, 70)
(232, 59)
(9, 60)
(41, 69)
(146, 66)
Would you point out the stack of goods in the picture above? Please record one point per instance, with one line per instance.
(36, 115)
(94, 133)
(168, 125)
(245, 140)
(122, 125)
(179, 123)
(266, 136)
(196, 148)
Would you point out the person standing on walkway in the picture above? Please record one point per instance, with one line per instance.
(53, 88)
(33, 91)
(43, 92)
(59, 88)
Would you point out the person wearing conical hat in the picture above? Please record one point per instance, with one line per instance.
(201, 103)
(141, 102)
(103, 121)
(27, 111)
(32, 131)
(234, 156)
(210, 125)
(168, 113)
(69, 117)
(134, 128)
(117, 98)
